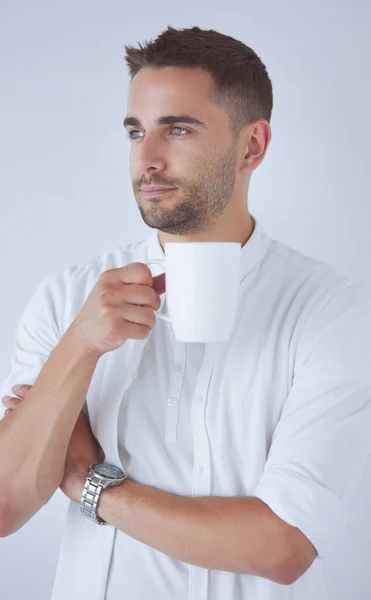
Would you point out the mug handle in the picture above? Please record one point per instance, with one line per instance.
(159, 261)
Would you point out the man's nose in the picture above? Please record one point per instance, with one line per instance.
(150, 156)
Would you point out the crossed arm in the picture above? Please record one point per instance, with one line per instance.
(237, 534)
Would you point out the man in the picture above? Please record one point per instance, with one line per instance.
(241, 456)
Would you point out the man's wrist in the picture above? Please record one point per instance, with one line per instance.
(107, 504)
(72, 485)
(71, 338)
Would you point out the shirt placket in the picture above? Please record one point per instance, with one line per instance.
(201, 485)
(174, 391)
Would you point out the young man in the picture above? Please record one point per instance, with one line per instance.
(241, 456)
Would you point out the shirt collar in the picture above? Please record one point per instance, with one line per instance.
(252, 252)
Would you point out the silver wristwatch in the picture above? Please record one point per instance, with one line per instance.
(101, 476)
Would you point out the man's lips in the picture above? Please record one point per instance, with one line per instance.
(157, 189)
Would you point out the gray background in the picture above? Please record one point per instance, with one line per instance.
(65, 190)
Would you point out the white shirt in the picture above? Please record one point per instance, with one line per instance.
(156, 448)
(282, 411)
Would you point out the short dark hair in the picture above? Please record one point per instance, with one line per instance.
(241, 84)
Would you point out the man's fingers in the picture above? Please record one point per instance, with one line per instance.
(21, 390)
(11, 402)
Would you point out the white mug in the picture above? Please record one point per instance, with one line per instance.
(202, 289)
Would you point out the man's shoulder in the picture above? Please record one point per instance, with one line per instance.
(64, 291)
(294, 262)
(82, 273)
(112, 258)
(306, 286)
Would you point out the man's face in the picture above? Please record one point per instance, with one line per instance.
(198, 160)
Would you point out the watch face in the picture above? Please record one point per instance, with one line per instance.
(108, 471)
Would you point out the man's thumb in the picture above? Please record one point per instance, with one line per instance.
(159, 283)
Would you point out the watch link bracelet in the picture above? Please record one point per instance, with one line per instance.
(101, 476)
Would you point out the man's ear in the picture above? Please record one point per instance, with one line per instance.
(255, 139)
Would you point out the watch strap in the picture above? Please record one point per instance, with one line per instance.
(89, 499)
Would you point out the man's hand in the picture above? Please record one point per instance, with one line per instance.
(120, 307)
(83, 448)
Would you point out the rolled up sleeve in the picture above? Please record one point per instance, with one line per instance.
(322, 442)
(38, 331)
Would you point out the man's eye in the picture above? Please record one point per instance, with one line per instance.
(133, 131)
(183, 129)
(129, 134)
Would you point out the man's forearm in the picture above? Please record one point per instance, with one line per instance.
(240, 534)
(34, 438)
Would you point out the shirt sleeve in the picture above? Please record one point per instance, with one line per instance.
(37, 333)
(322, 442)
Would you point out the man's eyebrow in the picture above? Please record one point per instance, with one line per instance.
(166, 120)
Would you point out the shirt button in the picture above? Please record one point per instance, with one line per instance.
(172, 401)
(134, 375)
(201, 468)
(177, 367)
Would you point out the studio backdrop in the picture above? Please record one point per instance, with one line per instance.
(66, 193)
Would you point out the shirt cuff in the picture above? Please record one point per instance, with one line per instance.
(305, 504)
